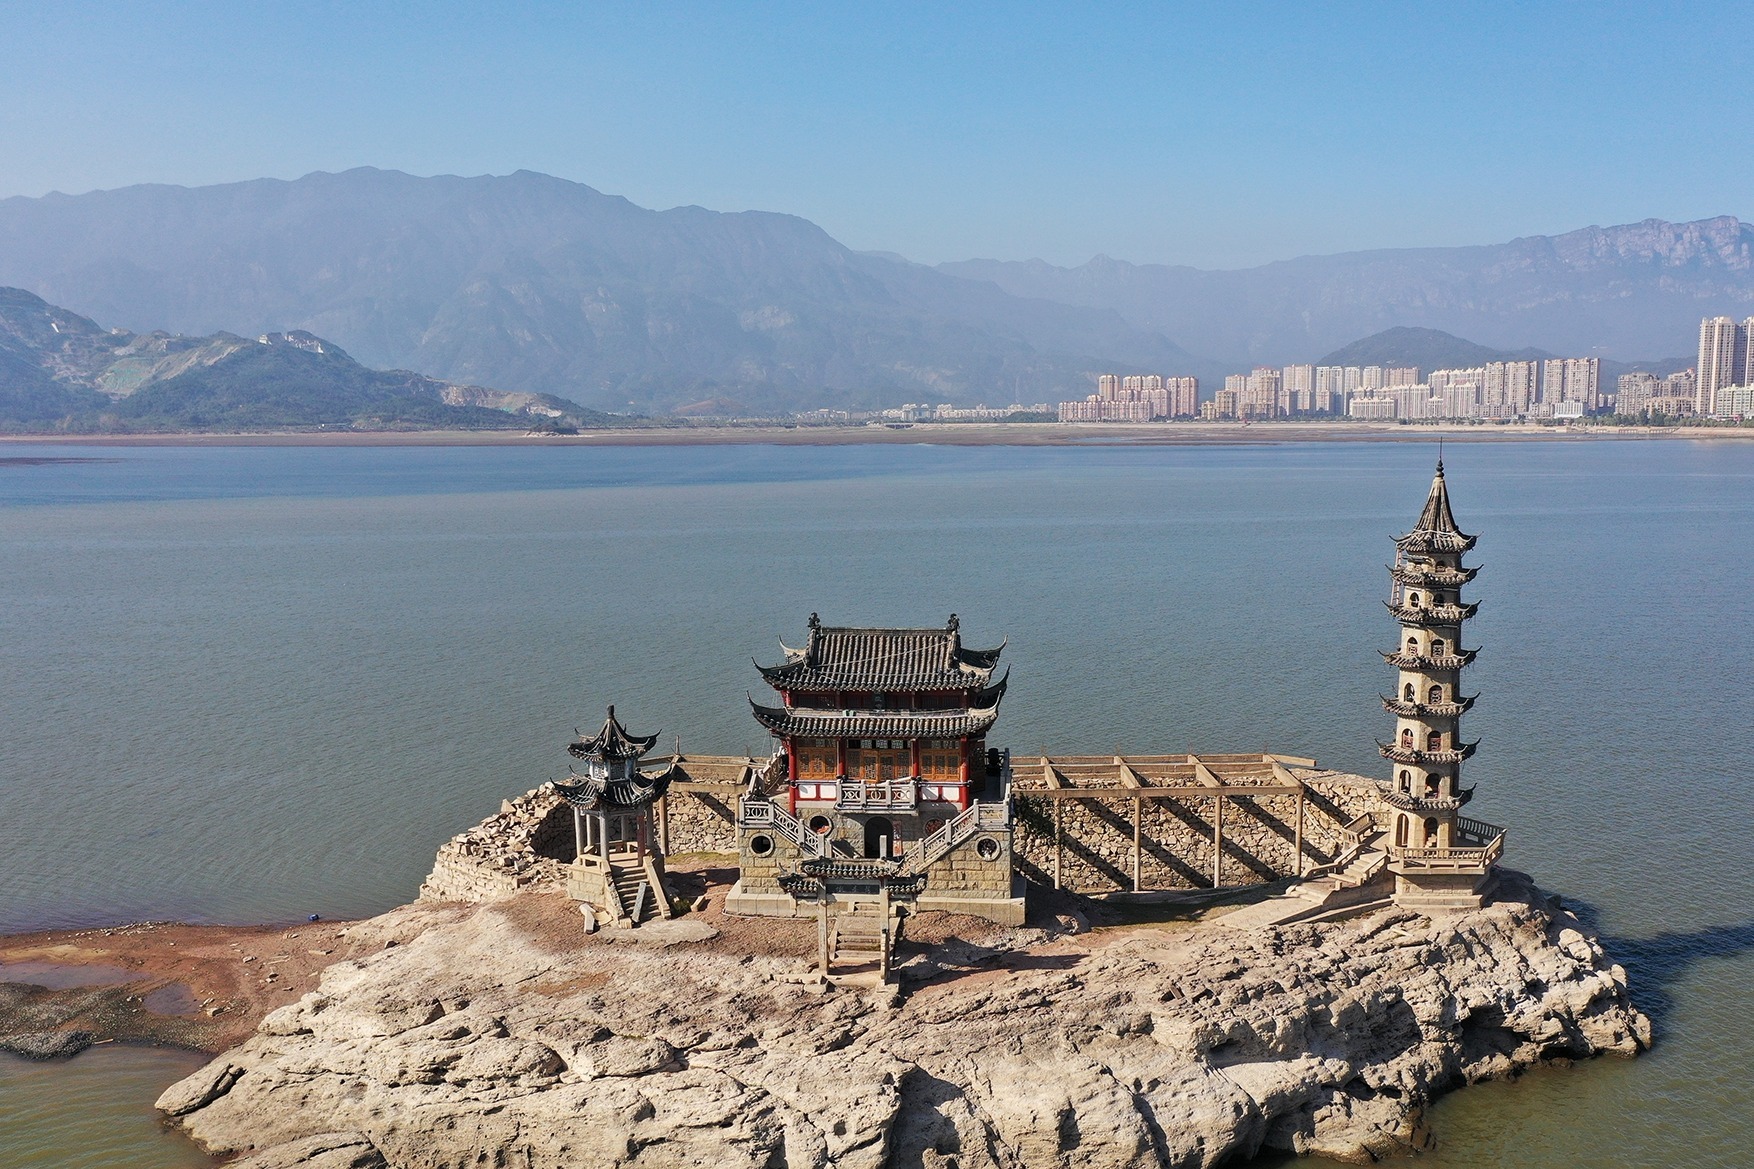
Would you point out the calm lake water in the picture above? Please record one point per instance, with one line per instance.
(247, 684)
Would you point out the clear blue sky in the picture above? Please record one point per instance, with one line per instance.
(1218, 135)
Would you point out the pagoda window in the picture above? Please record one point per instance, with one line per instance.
(1410, 692)
(1438, 647)
(816, 758)
(940, 761)
(1412, 645)
(1434, 741)
(1431, 832)
(1431, 786)
(1406, 781)
(1407, 739)
(1413, 599)
(878, 760)
(1436, 694)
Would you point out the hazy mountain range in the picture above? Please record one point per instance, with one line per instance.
(530, 283)
(534, 284)
(60, 370)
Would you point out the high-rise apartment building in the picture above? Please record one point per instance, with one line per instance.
(1509, 388)
(1572, 379)
(1400, 375)
(1298, 386)
(1634, 391)
(1723, 359)
(1260, 393)
(1372, 378)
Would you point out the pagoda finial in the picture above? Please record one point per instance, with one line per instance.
(815, 621)
(611, 712)
(953, 624)
(1440, 456)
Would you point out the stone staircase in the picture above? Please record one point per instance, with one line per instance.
(859, 946)
(1347, 888)
(635, 899)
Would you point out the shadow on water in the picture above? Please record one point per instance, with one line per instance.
(1656, 964)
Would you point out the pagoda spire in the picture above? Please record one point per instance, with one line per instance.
(1440, 858)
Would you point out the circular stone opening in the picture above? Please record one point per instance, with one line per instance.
(987, 848)
(761, 845)
(820, 825)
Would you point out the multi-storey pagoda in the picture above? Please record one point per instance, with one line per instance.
(889, 787)
(1440, 858)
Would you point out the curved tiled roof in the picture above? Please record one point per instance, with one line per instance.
(1436, 529)
(876, 724)
(590, 794)
(901, 660)
(612, 742)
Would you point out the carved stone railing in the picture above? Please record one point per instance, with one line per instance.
(980, 816)
(1472, 859)
(753, 813)
(890, 795)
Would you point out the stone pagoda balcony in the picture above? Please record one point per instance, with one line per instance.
(890, 795)
(1408, 802)
(1447, 614)
(1403, 660)
(1425, 578)
(1428, 709)
(1478, 847)
(1412, 755)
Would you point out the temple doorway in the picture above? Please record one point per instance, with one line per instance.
(878, 834)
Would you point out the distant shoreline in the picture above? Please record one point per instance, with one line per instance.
(937, 434)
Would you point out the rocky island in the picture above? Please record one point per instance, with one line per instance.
(499, 1030)
(888, 944)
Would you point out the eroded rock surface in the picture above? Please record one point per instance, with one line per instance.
(473, 1042)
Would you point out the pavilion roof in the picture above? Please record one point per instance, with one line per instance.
(1436, 529)
(612, 742)
(591, 794)
(876, 724)
(882, 659)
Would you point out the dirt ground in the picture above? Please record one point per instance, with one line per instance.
(206, 987)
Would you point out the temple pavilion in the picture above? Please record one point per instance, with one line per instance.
(1439, 858)
(890, 791)
(618, 868)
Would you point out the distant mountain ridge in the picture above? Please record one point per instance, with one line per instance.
(61, 370)
(1620, 292)
(1433, 349)
(534, 284)
(527, 282)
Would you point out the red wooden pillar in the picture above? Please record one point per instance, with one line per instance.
(914, 755)
(962, 768)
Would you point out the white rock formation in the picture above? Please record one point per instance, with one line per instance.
(473, 1043)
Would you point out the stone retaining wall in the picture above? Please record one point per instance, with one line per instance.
(529, 842)
(1176, 836)
(698, 821)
